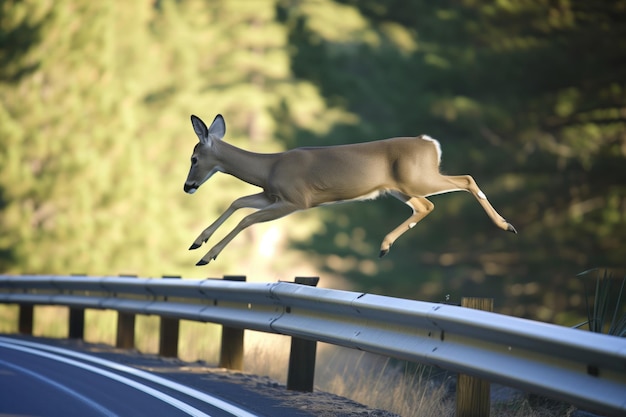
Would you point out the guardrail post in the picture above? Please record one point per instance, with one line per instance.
(472, 394)
(125, 337)
(25, 319)
(168, 334)
(231, 351)
(301, 373)
(77, 320)
(77, 323)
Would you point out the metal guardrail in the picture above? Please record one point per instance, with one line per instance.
(583, 368)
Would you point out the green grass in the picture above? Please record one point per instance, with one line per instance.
(607, 312)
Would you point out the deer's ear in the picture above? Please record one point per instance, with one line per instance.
(218, 128)
(200, 128)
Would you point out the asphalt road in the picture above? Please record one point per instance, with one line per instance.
(60, 377)
(41, 380)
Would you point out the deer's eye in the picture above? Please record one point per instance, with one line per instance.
(194, 160)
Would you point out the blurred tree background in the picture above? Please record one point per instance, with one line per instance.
(528, 96)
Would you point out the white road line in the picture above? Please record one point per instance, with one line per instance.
(174, 402)
(199, 395)
(85, 400)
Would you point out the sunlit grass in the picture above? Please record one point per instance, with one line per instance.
(100, 326)
(199, 341)
(8, 318)
(147, 333)
(365, 378)
(51, 321)
(267, 354)
(383, 383)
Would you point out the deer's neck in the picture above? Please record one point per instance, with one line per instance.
(253, 168)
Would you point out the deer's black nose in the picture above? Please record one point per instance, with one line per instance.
(190, 188)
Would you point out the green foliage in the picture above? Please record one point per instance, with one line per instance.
(608, 314)
(92, 115)
(527, 97)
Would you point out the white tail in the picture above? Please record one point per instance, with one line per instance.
(406, 168)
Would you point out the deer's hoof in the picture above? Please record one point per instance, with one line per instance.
(202, 262)
(510, 228)
(383, 252)
(195, 246)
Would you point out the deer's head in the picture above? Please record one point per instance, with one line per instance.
(204, 162)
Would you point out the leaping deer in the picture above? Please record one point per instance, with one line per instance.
(406, 168)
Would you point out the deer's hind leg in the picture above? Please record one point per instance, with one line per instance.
(466, 183)
(420, 206)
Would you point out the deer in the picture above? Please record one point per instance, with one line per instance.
(407, 168)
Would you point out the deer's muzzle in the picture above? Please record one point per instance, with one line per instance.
(190, 188)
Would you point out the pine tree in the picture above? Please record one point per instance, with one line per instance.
(95, 122)
(538, 85)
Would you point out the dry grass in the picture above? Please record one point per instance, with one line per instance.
(532, 406)
(383, 383)
(365, 378)
(197, 340)
(8, 318)
(373, 380)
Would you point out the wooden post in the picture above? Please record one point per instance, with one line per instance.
(301, 372)
(25, 319)
(472, 394)
(125, 337)
(77, 320)
(231, 351)
(168, 334)
(77, 323)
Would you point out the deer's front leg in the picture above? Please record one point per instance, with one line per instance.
(271, 212)
(421, 207)
(257, 201)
